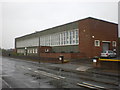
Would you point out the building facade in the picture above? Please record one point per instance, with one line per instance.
(84, 38)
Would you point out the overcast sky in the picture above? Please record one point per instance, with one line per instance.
(23, 18)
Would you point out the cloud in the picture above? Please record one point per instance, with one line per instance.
(23, 18)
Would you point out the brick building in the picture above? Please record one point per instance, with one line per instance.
(84, 38)
(119, 47)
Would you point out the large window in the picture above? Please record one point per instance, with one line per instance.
(70, 37)
(35, 50)
(64, 38)
(77, 36)
(20, 51)
(73, 37)
(28, 51)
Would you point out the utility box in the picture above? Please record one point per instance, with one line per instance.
(61, 58)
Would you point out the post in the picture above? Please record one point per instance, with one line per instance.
(96, 62)
(39, 50)
(61, 58)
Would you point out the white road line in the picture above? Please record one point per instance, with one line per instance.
(29, 69)
(92, 85)
(53, 75)
(6, 83)
(46, 74)
(36, 71)
(56, 77)
(85, 85)
(61, 77)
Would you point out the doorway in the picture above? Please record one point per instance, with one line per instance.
(106, 46)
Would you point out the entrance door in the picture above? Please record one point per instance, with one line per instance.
(106, 46)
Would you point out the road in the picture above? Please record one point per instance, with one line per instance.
(18, 73)
(24, 74)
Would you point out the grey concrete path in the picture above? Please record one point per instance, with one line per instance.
(72, 67)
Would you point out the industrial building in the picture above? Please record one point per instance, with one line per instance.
(85, 38)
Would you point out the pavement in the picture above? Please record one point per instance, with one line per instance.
(78, 66)
(72, 67)
(82, 67)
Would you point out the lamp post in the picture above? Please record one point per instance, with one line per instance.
(39, 56)
(39, 50)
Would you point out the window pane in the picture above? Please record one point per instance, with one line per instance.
(77, 37)
(97, 43)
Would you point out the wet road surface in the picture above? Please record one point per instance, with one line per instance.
(18, 73)
(18, 77)
(24, 74)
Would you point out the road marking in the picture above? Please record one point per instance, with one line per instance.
(29, 69)
(46, 73)
(61, 77)
(6, 83)
(85, 86)
(36, 71)
(92, 85)
(88, 85)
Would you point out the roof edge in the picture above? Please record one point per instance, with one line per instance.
(66, 24)
(101, 20)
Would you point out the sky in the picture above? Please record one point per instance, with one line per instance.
(21, 18)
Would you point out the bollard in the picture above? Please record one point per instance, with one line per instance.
(95, 61)
(9, 54)
(61, 58)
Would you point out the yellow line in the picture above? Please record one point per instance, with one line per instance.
(109, 60)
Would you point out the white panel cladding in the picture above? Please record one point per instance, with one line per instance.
(28, 42)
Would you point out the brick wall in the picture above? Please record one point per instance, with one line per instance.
(42, 49)
(119, 47)
(66, 55)
(85, 43)
(103, 31)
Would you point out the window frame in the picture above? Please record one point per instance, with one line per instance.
(114, 43)
(95, 43)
